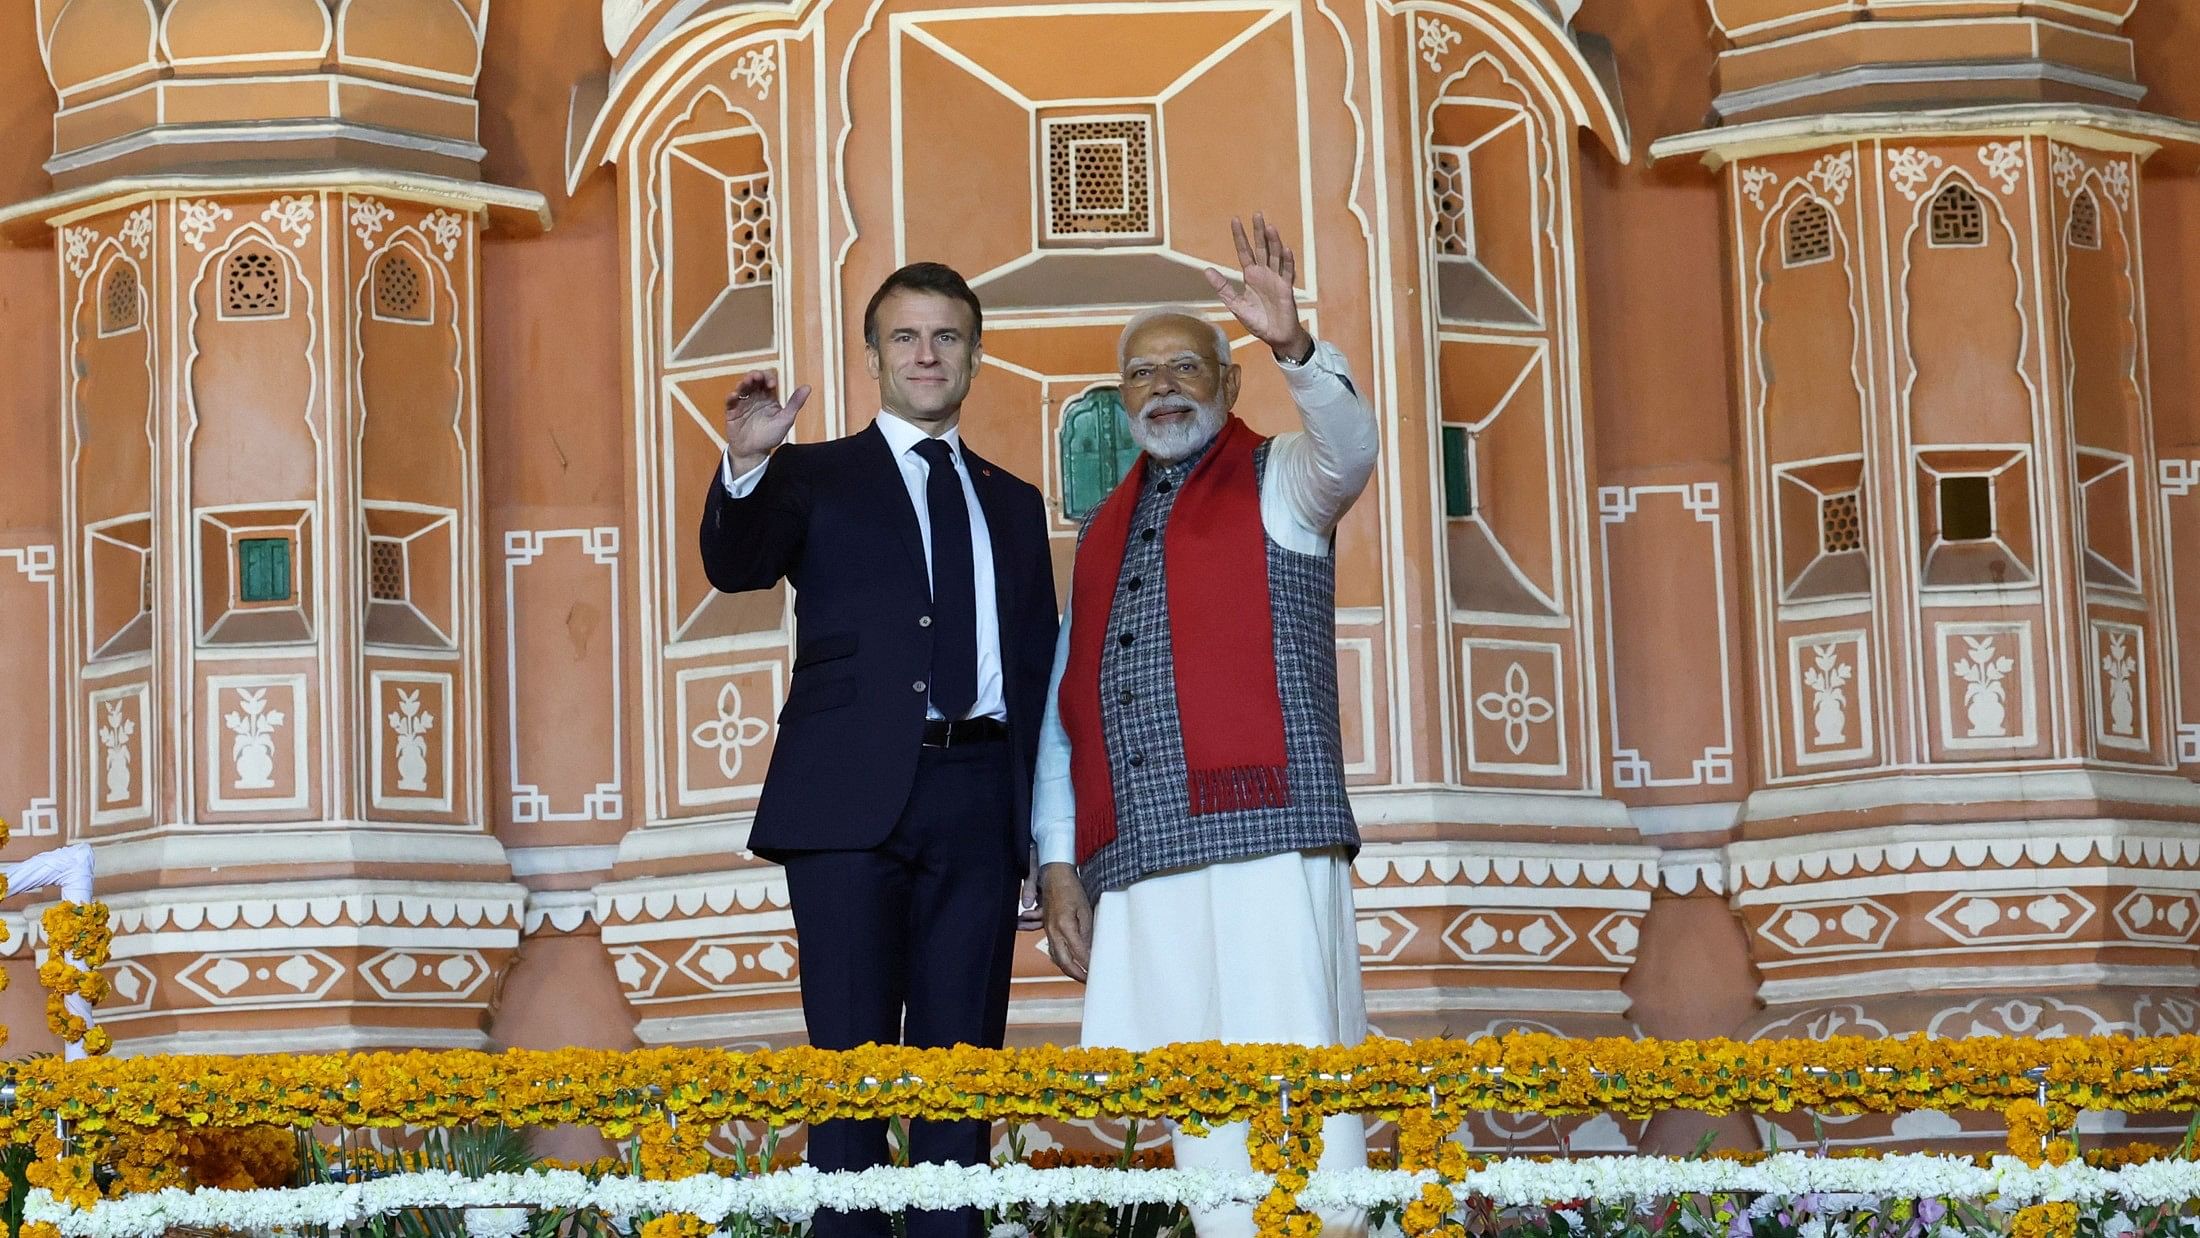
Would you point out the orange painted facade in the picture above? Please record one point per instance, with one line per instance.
(1773, 615)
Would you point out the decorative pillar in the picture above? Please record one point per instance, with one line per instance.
(1971, 818)
(266, 218)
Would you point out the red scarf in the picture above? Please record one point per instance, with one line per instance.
(1221, 641)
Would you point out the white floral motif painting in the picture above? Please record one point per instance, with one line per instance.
(252, 751)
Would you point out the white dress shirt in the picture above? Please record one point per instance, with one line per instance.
(903, 436)
(1313, 477)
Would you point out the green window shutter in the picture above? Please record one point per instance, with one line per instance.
(1458, 489)
(263, 569)
(1096, 449)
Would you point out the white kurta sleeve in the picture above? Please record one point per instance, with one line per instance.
(1053, 795)
(1315, 475)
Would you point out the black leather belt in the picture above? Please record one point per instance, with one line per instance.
(939, 733)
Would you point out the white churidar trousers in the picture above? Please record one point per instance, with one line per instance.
(1261, 950)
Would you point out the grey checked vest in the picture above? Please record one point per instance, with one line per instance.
(1154, 830)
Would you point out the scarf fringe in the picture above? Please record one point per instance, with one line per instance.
(1238, 788)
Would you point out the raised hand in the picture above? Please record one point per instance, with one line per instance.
(1265, 303)
(756, 421)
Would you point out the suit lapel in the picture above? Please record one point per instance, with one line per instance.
(883, 481)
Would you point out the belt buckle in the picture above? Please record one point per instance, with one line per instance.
(947, 733)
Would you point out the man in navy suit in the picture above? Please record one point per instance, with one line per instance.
(899, 794)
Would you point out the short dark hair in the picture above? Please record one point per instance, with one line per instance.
(936, 278)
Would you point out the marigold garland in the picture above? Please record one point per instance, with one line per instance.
(78, 939)
(621, 1092)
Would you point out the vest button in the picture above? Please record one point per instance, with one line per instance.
(1136, 582)
(924, 621)
(1126, 640)
(1145, 535)
(1137, 760)
(919, 685)
(1127, 698)
(1166, 486)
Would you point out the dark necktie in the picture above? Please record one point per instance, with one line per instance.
(954, 681)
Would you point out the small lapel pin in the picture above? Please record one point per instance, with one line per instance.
(985, 472)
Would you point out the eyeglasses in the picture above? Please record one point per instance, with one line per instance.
(1186, 369)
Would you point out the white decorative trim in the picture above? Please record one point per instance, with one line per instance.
(117, 747)
(446, 227)
(2003, 161)
(1437, 38)
(756, 68)
(332, 903)
(255, 731)
(1828, 681)
(1414, 806)
(2117, 676)
(607, 801)
(2116, 177)
(1953, 787)
(1967, 915)
(40, 814)
(137, 231)
(1485, 863)
(1795, 928)
(1680, 872)
(328, 842)
(1896, 849)
(368, 215)
(402, 725)
(76, 249)
(327, 1038)
(1909, 168)
(1994, 717)
(2000, 977)
(2068, 168)
(650, 899)
(2179, 477)
(1656, 820)
(560, 861)
(726, 735)
(717, 1029)
(194, 219)
(292, 213)
(1754, 183)
(1832, 175)
(1494, 999)
(1516, 705)
(564, 911)
(1714, 765)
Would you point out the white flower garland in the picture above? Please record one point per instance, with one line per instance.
(796, 1193)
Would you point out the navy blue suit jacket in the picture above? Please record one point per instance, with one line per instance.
(834, 520)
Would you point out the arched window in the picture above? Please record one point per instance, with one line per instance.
(1096, 449)
(1809, 235)
(253, 286)
(400, 293)
(118, 300)
(1958, 219)
(2085, 221)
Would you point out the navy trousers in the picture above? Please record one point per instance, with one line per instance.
(911, 942)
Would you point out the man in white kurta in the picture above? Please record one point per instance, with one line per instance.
(1207, 895)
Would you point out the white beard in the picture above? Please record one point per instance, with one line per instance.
(1175, 441)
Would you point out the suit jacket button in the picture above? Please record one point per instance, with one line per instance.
(924, 621)
(919, 685)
